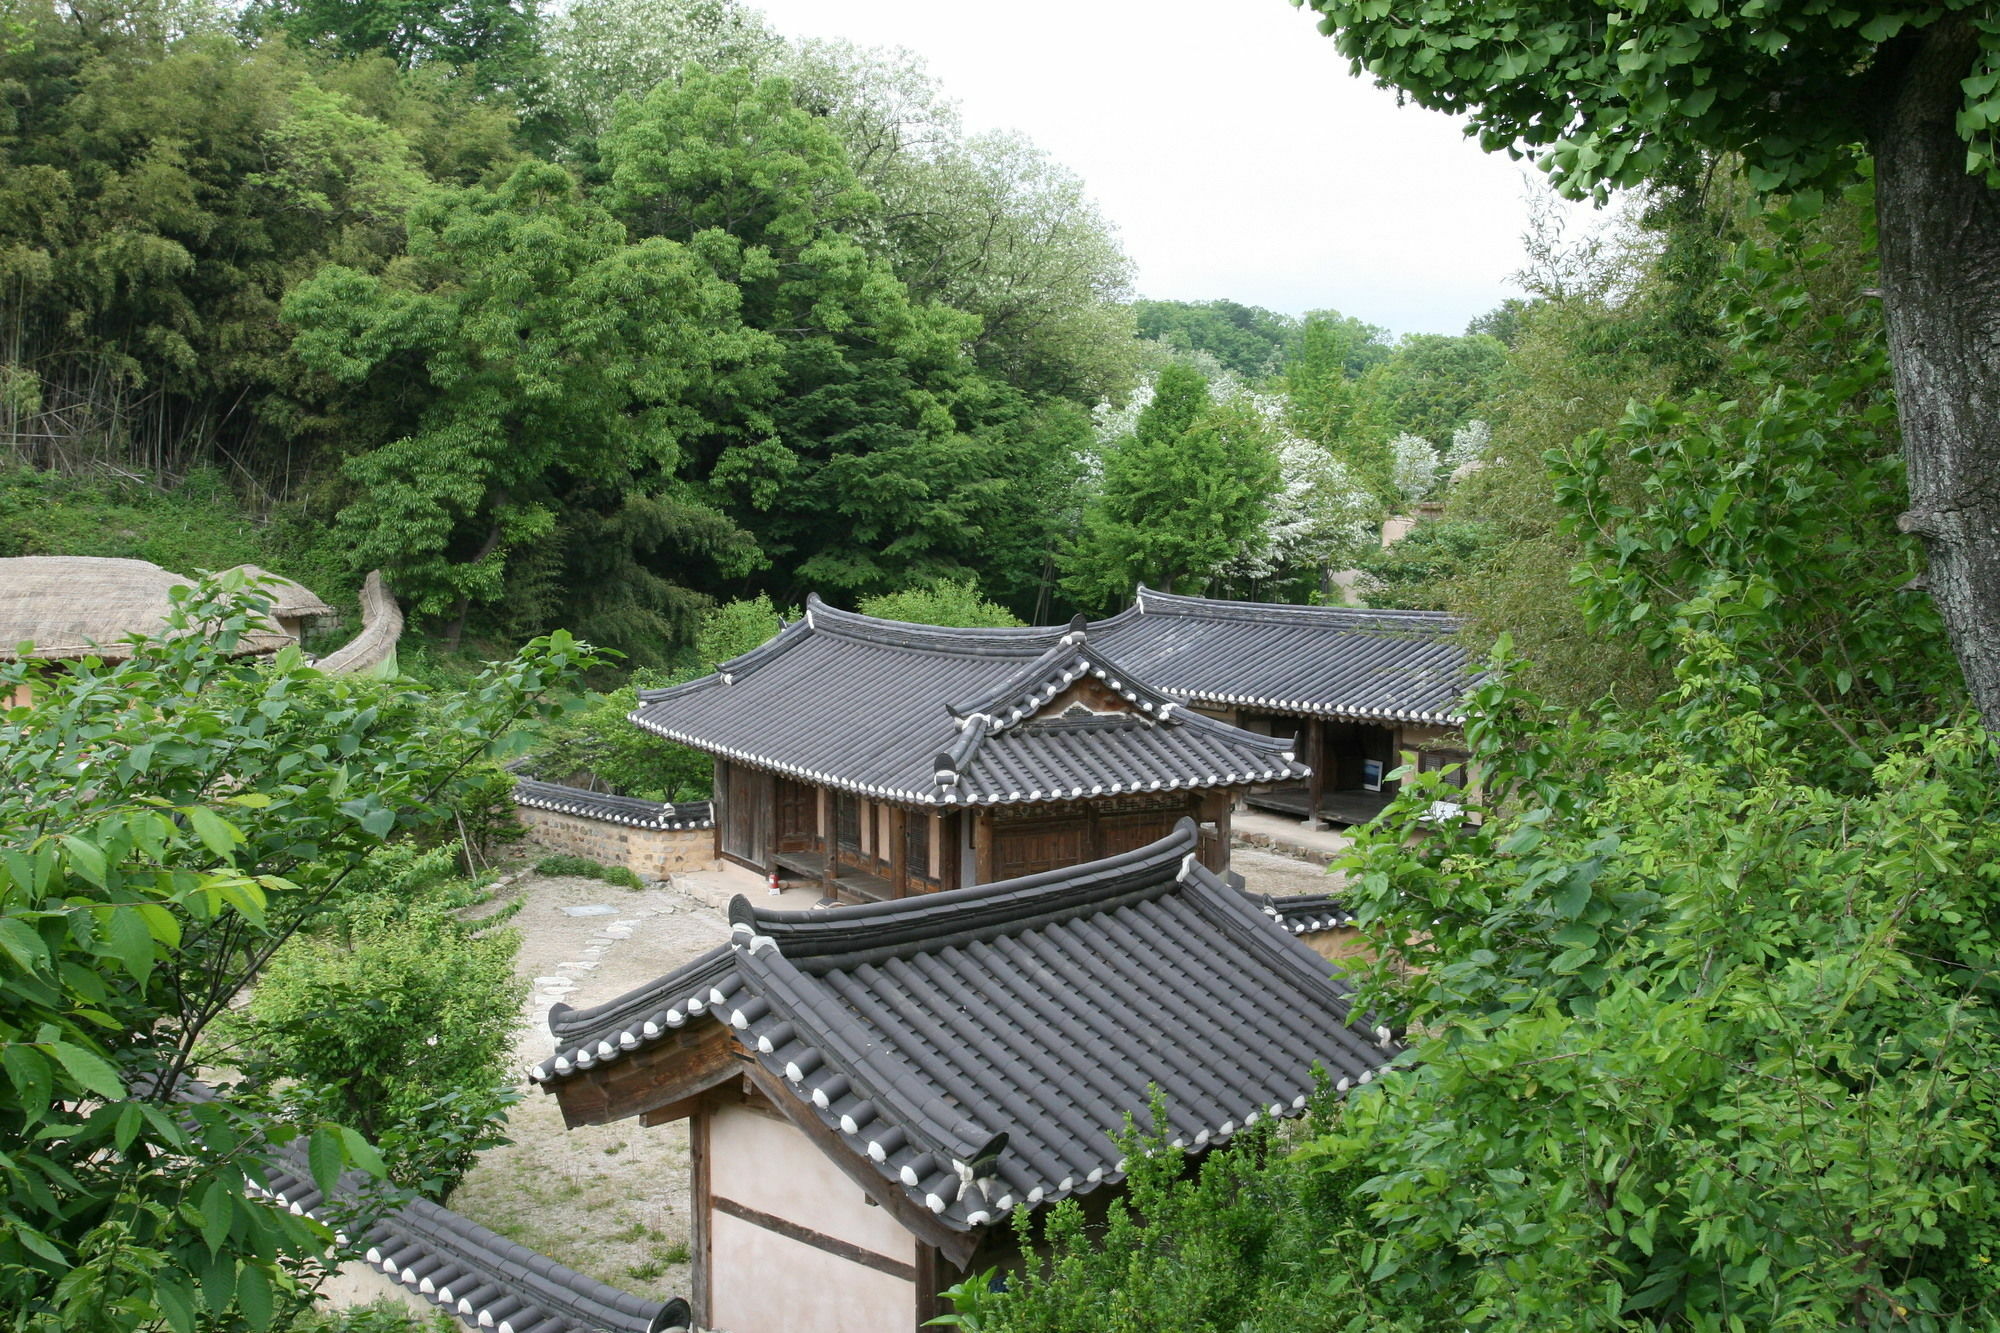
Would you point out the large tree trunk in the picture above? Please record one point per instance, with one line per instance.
(1940, 250)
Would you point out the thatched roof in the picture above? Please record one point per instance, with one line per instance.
(87, 606)
(289, 600)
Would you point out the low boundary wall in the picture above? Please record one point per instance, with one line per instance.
(651, 839)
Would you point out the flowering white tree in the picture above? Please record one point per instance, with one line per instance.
(1413, 467)
(1321, 513)
(600, 51)
(1470, 444)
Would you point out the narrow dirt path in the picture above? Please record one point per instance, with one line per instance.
(608, 1200)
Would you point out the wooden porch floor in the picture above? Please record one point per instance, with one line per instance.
(1347, 808)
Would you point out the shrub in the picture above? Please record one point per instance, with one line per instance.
(582, 867)
(397, 1018)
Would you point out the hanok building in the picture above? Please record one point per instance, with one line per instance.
(873, 1090)
(1365, 692)
(881, 759)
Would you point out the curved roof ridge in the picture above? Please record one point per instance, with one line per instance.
(844, 936)
(1151, 601)
(1015, 640)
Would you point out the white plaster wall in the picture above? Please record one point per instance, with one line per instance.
(766, 1164)
(764, 1283)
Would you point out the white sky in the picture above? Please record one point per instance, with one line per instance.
(1228, 143)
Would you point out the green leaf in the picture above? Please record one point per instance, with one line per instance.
(85, 859)
(215, 832)
(253, 1296)
(218, 1207)
(379, 822)
(362, 1154)
(90, 1070)
(175, 1303)
(324, 1154)
(162, 924)
(28, 1069)
(23, 945)
(127, 1127)
(129, 941)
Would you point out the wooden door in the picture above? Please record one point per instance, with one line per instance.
(747, 797)
(917, 852)
(1124, 833)
(847, 826)
(797, 815)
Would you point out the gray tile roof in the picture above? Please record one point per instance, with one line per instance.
(487, 1281)
(1306, 913)
(981, 1047)
(627, 810)
(945, 717)
(1399, 666)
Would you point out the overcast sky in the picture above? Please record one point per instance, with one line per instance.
(1230, 146)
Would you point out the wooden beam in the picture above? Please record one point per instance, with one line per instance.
(920, 1222)
(818, 1240)
(653, 1078)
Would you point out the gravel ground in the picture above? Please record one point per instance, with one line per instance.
(1280, 875)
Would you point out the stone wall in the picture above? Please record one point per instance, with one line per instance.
(647, 853)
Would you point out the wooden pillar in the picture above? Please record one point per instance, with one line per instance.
(1213, 808)
(982, 845)
(932, 1279)
(718, 803)
(700, 1246)
(1314, 735)
(899, 852)
(949, 835)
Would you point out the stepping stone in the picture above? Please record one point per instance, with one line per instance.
(591, 909)
(618, 934)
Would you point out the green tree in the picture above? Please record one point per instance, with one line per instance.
(1333, 398)
(157, 198)
(1432, 384)
(866, 465)
(1800, 90)
(1420, 572)
(946, 602)
(596, 746)
(166, 823)
(1179, 498)
(602, 52)
(1248, 340)
(536, 377)
(495, 39)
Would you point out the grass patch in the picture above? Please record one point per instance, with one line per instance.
(198, 525)
(582, 867)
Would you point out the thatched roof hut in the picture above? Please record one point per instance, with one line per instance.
(290, 600)
(88, 606)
